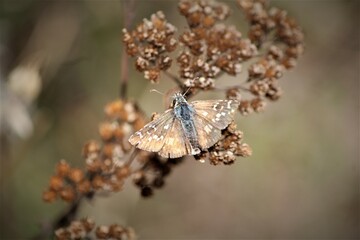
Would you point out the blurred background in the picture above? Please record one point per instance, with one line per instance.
(302, 182)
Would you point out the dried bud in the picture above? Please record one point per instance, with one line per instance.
(123, 172)
(62, 234)
(257, 70)
(152, 75)
(56, 183)
(259, 88)
(88, 224)
(106, 131)
(164, 63)
(141, 64)
(93, 165)
(68, 194)
(233, 94)
(114, 108)
(49, 196)
(84, 186)
(102, 232)
(245, 107)
(91, 147)
(258, 104)
(98, 182)
(276, 52)
(244, 150)
(146, 191)
(274, 92)
(116, 231)
(76, 175)
(62, 168)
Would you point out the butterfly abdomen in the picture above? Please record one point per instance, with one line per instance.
(185, 114)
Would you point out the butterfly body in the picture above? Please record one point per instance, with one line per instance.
(187, 128)
(185, 114)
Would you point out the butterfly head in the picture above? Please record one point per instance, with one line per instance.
(178, 99)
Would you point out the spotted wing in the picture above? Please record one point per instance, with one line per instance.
(211, 117)
(220, 113)
(152, 136)
(176, 144)
(207, 134)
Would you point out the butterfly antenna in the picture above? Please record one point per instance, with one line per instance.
(154, 90)
(186, 91)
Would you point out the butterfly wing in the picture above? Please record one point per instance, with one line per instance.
(220, 113)
(176, 144)
(207, 134)
(152, 136)
(211, 117)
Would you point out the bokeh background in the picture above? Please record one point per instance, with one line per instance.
(302, 181)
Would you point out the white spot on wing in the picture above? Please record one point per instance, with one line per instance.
(208, 128)
(229, 104)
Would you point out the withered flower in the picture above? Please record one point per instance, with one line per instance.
(150, 43)
(85, 229)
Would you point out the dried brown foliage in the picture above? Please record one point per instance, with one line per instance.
(203, 53)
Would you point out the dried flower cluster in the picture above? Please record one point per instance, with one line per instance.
(106, 168)
(207, 50)
(152, 175)
(84, 229)
(211, 47)
(150, 43)
(227, 148)
(281, 40)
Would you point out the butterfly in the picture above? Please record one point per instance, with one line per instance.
(187, 128)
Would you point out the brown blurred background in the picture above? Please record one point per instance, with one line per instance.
(302, 181)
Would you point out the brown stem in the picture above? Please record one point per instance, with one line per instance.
(128, 13)
(124, 74)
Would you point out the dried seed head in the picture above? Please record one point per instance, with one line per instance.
(233, 94)
(258, 104)
(245, 107)
(56, 183)
(62, 168)
(150, 43)
(76, 175)
(102, 232)
(68, 194)
(84, 186)
(49, 196)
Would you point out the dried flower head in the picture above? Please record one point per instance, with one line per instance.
(85, 229)
(150, 43)
(227, 149)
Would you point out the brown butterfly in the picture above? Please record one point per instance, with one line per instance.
(187, 128)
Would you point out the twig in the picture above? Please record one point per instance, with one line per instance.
(124, 74)
(128, 13)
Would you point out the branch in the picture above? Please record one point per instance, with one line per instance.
(128, 13)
